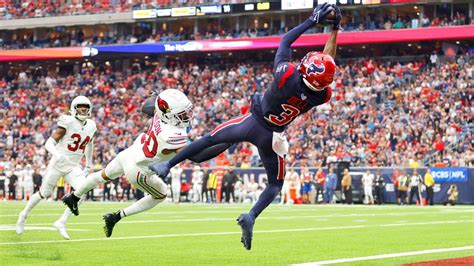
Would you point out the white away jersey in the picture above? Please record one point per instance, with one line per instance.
(74, 142)
(157, 144)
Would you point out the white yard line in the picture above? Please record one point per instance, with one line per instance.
(286, 217)
(386, 256)
(39, 228)
(232, 233)
(267, 211)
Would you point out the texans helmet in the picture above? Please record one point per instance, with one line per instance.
(317, 70)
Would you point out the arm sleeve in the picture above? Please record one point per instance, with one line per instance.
(148, 107)
(89, 150)
(283, 53)
(50, 146)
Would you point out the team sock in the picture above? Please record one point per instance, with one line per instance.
(32, 202)
(267, 197)
(91, 182)
(142, 205)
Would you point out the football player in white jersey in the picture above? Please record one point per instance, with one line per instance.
(68, 144)
(166, 134)
(175, 174)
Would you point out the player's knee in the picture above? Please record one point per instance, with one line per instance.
(45, 192)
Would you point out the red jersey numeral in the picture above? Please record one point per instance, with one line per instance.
(289, 113)
(77, 143)
(150, 144)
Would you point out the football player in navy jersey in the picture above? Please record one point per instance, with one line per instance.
(294, 91)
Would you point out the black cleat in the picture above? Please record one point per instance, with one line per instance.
(70, 200)
(110, 220)
(246, 223)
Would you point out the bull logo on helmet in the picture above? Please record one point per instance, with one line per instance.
(315, 69)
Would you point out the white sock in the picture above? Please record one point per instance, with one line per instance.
(142, 205)
(34, 200)
(67, 212)
(91, 182)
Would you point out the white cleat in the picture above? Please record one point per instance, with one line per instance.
(61, 228)
(20, 224)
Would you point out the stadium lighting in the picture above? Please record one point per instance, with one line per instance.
(409, 45)
(457, 42)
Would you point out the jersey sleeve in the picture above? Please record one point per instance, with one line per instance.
(284, 71)
(172, 139)
(63, 121)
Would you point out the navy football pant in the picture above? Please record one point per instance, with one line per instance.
(245, 128)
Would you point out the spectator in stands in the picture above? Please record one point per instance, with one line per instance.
(346, 185)
(453, 195)
(330, 186)
(429, 183)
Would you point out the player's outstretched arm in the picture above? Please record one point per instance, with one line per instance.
(331, 44)
(283, 53)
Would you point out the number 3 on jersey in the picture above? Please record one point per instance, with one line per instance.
(285, 117)
(150, 144)
(77, 139)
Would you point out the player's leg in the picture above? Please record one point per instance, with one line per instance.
(275, 168)
(75, 178)
(113, 170)
(153, 185)
(49, 182)
(232, 131)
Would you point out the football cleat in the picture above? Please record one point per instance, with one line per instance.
(61, 227)
(20, 224)
(110, 220)
(246, 223)
(70, 200)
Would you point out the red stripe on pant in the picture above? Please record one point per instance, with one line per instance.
(230, 123)
(281, 168)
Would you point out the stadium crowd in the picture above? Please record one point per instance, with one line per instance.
(65, 37)
(35, 9)
(382, 113)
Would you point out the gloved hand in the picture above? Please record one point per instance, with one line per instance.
(320, 12)
(337, 19)
(87, 171)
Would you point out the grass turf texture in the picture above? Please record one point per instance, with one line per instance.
(208, 234)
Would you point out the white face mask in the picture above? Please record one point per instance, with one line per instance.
(310, 86)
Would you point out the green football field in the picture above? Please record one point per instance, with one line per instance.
(208, 234)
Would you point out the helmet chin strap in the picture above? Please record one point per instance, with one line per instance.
(310, 86)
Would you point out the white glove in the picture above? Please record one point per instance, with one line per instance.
(87, 170)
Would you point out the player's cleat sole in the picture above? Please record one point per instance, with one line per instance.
(110, 219)
(70, 200)
(20, 224)
(61, 227)
(246, 223)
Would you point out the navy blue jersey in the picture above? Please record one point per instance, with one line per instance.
(288, 97)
